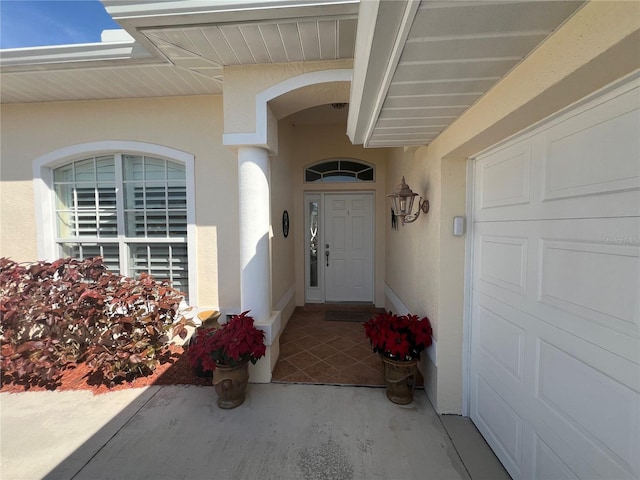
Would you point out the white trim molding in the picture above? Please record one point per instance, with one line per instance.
(73, 56)
(157, 13)
(44, 199)
(468, 291)
(286, 299)
(260, 138)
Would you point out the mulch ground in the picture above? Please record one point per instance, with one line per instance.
(173, 369)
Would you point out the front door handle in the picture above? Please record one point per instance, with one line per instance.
(326, 254)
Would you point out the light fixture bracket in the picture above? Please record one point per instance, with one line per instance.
(423, 206)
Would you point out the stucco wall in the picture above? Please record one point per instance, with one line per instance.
(244, 82)
(189, 124)
(598, 45)
(415, 247)
(413, 250)
(282, 249)
(314, 143)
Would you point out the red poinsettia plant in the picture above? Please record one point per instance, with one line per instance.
(232, 343)
(398, 337)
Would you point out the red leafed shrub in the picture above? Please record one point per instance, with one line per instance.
(232, 343)
(55, 315)
(398, 337)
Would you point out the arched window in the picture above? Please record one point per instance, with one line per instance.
(132, 209)
(339, 170)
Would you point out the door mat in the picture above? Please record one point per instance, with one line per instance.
(342, 316)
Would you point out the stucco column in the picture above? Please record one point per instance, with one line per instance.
(255, 280)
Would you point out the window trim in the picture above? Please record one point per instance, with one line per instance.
(44, 165)
(339, 159)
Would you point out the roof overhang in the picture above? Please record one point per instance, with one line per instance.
(75, 56)
(420, 64)
(180, 48)
(152, 14)
(382, 29)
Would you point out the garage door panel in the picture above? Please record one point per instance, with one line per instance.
(611, 353)
(619, 344)
(499, 424)
(503, 180)
(555, 314)
(500, 346)
(588, 281)
(618, 204)
(581, 276)
(596, 282)
(548, 465)
(502, 341)
(604, 139)
(551, 387)
(552, 457)
(497, 371)
(579, 166)
(601, 360)
(503, 262)
(599, 408)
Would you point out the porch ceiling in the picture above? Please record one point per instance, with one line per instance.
(180, 48)
(430, 61)
(207, 49)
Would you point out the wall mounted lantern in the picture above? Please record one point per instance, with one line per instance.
(402, 206)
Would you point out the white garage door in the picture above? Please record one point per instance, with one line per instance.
(555, 351)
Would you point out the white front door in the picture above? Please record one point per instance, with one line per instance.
(348, 247)
(339, 246)
(554, 370)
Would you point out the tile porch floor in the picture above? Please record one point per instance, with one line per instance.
(314, 350)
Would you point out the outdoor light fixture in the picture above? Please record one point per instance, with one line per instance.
(402, 200)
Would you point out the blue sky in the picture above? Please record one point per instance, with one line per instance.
(34, 23)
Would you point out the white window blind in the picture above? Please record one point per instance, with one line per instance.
(129, 209)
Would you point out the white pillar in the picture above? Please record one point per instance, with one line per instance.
(255, 277)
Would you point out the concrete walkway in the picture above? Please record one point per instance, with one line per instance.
(282, 431)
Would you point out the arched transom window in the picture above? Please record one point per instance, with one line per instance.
(339, 170)
(130, 209)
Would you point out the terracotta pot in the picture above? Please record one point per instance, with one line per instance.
(209, 318)
(400, 378)
(231, 384)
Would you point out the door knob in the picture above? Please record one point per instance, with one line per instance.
(326, 254)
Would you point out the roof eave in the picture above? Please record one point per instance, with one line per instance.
(382, 30)
(145, 14)
(74, 56)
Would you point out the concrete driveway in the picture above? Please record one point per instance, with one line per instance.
(282, 431)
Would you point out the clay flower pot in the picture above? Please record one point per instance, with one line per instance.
(400, 379)
(399, 339)
(231, 384)
(227, 351)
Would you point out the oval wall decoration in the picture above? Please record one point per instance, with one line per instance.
(285, 224)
